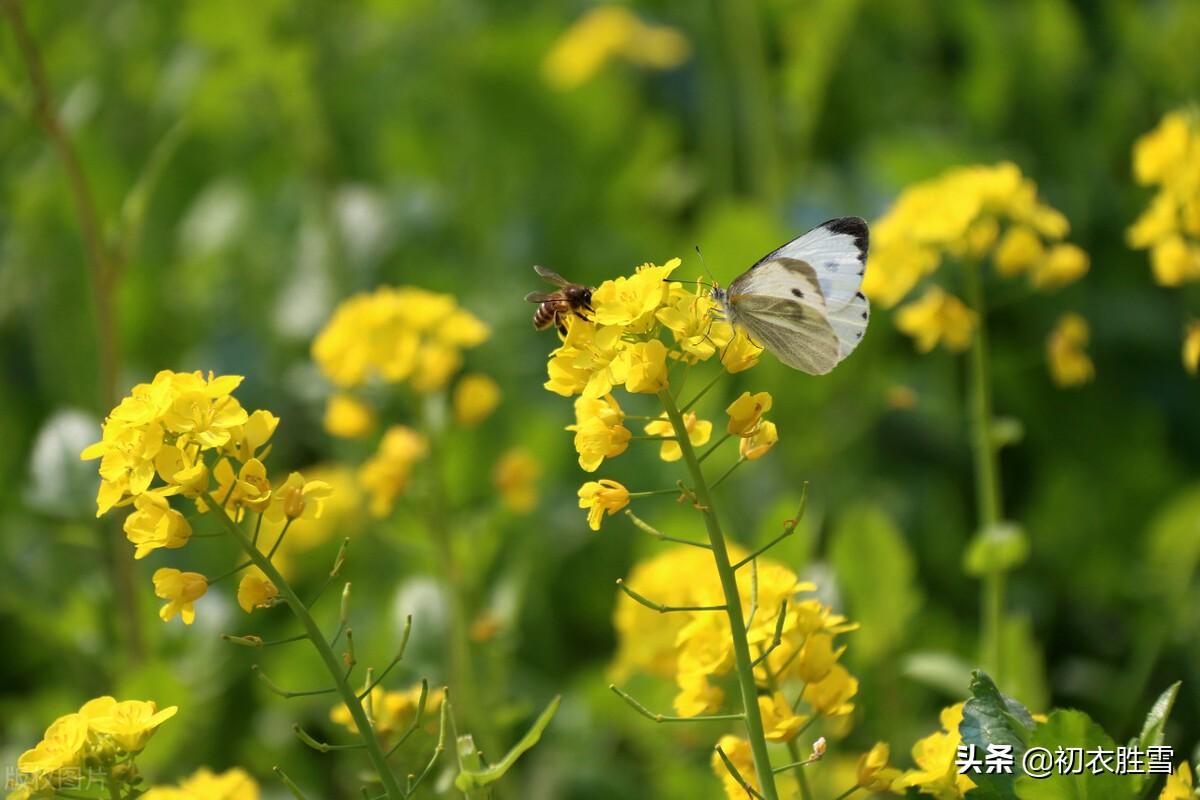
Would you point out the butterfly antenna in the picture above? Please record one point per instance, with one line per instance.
(711, 277)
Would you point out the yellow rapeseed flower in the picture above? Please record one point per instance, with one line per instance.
(475, 398)
(605, 33)
(1066, 352)
(396, 334)
(385, 475)
(348, 417)
(155, 524)
(761, 439)
(938, 317)
(738, 751)
(631, 302)
(181, 590)
(740, 354)
(392, 711)
(1179, 784)
(62, 747)
(1191, 347)
(832, 695)
(204, 784)
(515, 478)
(689, 317)
(874, 774)
(647, 367)
(936, 772)
(256, 591)
(599, 432)
(600, 497)
(780, 723)
(699, 432)
(746, 412)
(131, 723)
(298, 498)
(1169, 157)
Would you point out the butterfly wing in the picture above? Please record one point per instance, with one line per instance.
(779, 304)
(837, 251)
(803, 301)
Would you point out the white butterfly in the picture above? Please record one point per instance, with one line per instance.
(803, 301)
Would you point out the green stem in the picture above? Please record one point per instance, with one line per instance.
(733, 603)
(847, 793)
(987, 480)
(793, 744)
(332, 665)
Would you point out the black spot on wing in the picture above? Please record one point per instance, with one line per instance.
(798, 293)
(855, 227)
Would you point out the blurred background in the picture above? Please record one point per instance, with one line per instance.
(253, 164)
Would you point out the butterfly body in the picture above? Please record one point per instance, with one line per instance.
(803, 301)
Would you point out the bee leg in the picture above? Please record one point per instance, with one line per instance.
(561, 324)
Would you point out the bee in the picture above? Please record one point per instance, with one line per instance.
(571, 298)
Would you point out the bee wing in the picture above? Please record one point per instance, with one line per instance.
(538, 297)
(550, 276)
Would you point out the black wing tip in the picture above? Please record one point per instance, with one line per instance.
(855, 227)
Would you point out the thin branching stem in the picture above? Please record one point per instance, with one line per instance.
(416, 720)
(289, 783)
(322, 747)
(788, 530)
(659, 607)
(686, 407)
(284, 693)
(395, 660)
(359, 716)
(737, 776)
(777, 638)
(714, 447)
(413, 783)
(655, 717)
(646, 527)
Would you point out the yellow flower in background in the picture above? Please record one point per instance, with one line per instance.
(938, 317)
(696, 695)
(817, 657)
(347, 417)
(699, 432)
(204, 784)
(969, 213)
(396, 334)
(832, 695)
(746, 412)
(1063, 264)
(154, 524)
(62, 747)
(738, 751)
(606, 33)
(1179, 784)
(256, 591)
(131, 723)
(874, 774)
(475, 398)
(599, 432)
(761, 439)
(1191, 347)
(515, 478)
(780, 723)
(182, 590)
(385, 475)
(1169, 157)
(936, 772)
(600, 497)
(647, 367)
(1066, 352)
(392, 711)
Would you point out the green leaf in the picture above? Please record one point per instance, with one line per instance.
(876, 572)
(997, 548)
(1154, 728)
(944, 672)
(472, 777)
(1068, 728)
(990, 718)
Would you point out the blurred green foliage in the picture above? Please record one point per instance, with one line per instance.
(268, 159)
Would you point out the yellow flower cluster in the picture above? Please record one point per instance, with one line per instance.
(515, 478)
(606, 33)
(621, 346)
(970, 213)
(1179, 784)
(204, 784)
(181, 435)
(385, 475)
(1066, 352)
(396, 334)
(392, 711)
(1168, 158)
(103, 735)
(936, 772)
(695, 647)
